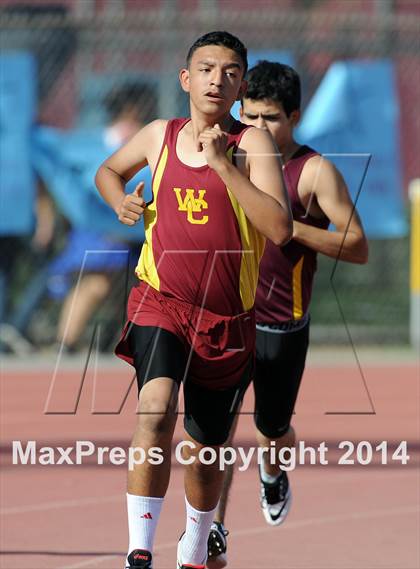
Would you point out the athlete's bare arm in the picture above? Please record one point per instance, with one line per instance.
(262, 195)
(119, 168)
(323, 190)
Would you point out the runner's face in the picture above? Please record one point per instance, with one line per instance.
(214, 79)
(270, 115)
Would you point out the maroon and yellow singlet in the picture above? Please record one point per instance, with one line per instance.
(198, 269)
(200, 247)
(286, 273)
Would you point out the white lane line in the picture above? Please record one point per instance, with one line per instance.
(62, 504)
(288, 526)
(92, 561)
(72, 503)
(329, 519)
(88, 562)
(13, 510)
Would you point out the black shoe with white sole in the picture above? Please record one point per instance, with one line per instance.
(276, 499)
(216, 546)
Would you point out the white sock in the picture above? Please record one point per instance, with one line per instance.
(194, 541)
(268, 478)
(143, 516)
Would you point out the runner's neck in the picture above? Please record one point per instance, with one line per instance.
(288, 150)
(200, 123)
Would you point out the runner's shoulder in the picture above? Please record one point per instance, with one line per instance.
(319, 173)
(256, 140)
(153, 133)
(158, 127)
(318, 164)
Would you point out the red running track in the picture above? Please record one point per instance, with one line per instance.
(343, 516)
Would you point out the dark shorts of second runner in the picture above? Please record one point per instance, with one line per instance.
(280, 363)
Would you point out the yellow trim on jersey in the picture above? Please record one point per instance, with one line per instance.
(146, 269)
(297, 289)
(253, 244)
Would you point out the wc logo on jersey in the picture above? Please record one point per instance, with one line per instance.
(192, 205)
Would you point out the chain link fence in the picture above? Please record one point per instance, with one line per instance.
(86, 48)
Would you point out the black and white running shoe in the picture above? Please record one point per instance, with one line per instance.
(276, 499)
(216, 546)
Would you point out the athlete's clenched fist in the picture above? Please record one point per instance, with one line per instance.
(213, 142)
(132, 206)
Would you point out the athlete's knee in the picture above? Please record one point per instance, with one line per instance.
(272, 430)
(205, 465)
(155, 416)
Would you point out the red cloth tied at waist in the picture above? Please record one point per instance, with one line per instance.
(222, 346)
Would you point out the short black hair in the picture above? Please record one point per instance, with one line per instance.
(224, 39)
(275, 81)
(132, 96)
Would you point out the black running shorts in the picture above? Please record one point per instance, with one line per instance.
(280, 363)
(209, 413)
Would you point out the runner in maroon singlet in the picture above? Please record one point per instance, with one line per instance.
(217, 195)
(318, 197)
